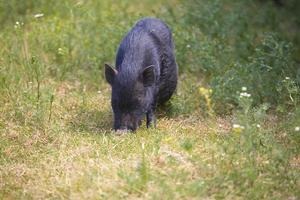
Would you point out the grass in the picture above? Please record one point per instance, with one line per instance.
(55, 116)
(75, 155)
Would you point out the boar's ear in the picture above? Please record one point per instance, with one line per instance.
(148, 76)
(110, 74)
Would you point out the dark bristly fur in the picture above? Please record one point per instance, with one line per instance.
(145, 74)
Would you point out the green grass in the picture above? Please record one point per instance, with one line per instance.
(55, 116)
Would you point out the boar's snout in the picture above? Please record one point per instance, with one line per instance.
(125, 128)
(127, 123)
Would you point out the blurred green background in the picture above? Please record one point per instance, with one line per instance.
(227, 44)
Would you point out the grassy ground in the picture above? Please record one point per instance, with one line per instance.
(55, 116)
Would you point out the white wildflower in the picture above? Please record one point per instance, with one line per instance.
(38, 15)
(143, 145)
(236, 126)
(244, 89)
(188, 46)
(266, 162)
(245, 94)
(287, 78)
(297, 128)
(258, 125)
(62, 51)
(17, 24)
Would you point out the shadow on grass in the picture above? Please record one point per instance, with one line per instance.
(165, 110)
(170, 110)
(100, 121)
(92, 121)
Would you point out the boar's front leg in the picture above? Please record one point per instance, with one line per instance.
(150, 115)
(151, 118)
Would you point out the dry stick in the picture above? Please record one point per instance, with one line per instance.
(38, 89)
(33, 62)
(50, 109)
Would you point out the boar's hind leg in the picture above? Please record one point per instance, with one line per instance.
(168, 79)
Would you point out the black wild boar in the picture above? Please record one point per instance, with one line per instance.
(145, 75)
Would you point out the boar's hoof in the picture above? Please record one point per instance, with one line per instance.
(151, 119)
